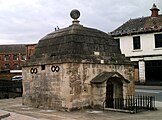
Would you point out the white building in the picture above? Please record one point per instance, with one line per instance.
(140, 40)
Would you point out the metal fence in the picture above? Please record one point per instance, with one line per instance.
(134, 104)
(10, 89)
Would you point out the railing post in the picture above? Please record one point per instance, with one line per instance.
(104, 104)
(138, 99)
(144, 105)
(126, 103)
(148, 101)
(151, 103)
(154, 103)
(136, 105)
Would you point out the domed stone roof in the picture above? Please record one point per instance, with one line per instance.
(77, 43)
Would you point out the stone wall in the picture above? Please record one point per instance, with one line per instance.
(67, 85)
(10, 89)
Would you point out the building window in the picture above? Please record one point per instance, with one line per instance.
(136, 43)
(7, 66)
(158, 40)
(23, 57)
(15, 57)
(43, 67)
(118, 42)
(6, 57)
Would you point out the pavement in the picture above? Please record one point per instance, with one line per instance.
(148, 87)
(4, 114)
(12, 109)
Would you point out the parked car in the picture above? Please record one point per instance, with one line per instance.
(17, 78)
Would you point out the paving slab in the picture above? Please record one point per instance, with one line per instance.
(20, 112)
(4, 114)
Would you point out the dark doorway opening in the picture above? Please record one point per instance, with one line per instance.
(153, 71)
(109, 94)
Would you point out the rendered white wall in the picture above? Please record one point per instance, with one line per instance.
(147, 45)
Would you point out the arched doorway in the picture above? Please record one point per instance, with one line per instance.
(114, 92)
(109, 94)
(108, 89)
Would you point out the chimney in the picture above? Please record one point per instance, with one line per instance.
(154, 11)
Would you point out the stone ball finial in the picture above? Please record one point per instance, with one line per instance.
(75, 14)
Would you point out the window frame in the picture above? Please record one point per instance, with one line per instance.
(158, 40)
(118, 41)
(15, 57)
(6, 57)
(136, 43)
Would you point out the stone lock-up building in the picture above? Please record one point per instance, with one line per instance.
(76, 67)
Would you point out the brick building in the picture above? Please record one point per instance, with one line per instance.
(13, 57)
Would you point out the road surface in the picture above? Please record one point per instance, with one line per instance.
(150, 91)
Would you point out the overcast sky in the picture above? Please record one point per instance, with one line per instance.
(27, 21)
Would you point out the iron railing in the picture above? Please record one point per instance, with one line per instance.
(134, 104)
